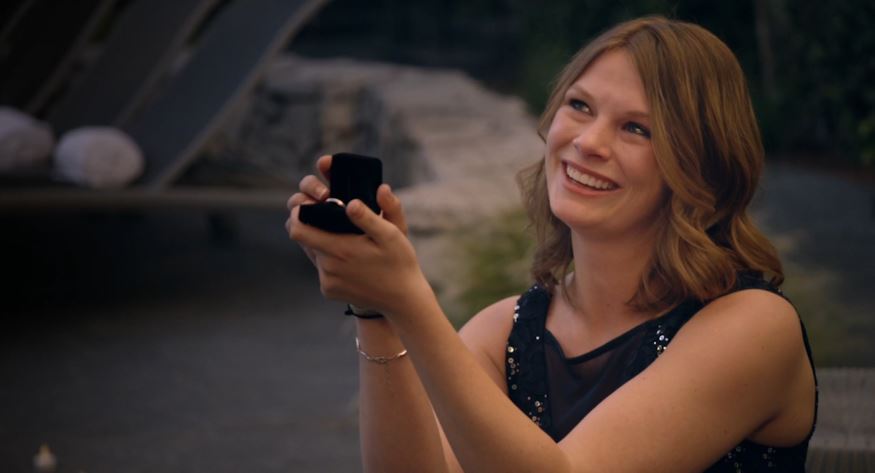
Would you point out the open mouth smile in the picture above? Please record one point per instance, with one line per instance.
(588, 179)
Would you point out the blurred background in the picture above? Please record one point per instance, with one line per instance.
(166, 323)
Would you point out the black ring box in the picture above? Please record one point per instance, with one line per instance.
(352, 176)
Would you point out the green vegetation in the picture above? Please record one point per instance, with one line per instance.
(496, 258)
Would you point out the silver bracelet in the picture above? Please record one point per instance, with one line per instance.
(378, 359)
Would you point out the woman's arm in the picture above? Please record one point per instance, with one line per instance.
(726, 373)
(397, 428)
(379, 270)
(486, 431)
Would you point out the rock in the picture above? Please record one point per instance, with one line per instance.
(99, 157)
(449, 146)
(25, 143)
(45, 461)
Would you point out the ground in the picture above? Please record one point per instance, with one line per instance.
(134, 343)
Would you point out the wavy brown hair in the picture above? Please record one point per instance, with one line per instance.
(708, 148)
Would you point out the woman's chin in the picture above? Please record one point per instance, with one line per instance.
(578, 219)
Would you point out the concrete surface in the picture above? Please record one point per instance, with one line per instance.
(134, 344)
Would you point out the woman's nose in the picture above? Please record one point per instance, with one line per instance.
(594, 140)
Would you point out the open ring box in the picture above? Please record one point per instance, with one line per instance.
(352, 176)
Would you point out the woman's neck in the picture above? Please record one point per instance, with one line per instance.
(607, 273)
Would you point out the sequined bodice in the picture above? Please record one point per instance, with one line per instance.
(556, 392)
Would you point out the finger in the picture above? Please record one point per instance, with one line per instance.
(311, 237)
(311, 255)
(314, 257)
(293, 222)
(323, 165)
(299, 198)
(312, 186)
(363, 217)
(391, 206)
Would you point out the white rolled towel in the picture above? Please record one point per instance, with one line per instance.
(99, 157)
(24, 142)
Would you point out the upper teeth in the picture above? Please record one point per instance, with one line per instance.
(587, 180)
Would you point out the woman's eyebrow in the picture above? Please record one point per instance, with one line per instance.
(578, 89)
(636, 114)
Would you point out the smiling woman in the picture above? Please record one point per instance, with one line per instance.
(668, 348)
(687, 76)
(601, 175)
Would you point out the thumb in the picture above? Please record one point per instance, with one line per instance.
(391, 206)
(363, 217)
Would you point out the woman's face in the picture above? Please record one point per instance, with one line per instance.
(602, 177)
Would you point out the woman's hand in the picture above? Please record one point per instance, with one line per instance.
(376, 270)
(311, 190)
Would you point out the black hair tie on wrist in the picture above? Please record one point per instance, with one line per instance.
(362, 313)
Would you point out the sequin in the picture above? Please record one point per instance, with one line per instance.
(661, 341)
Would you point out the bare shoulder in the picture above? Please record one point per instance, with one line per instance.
(753, 314)
(763, 328)
(495, 316)
(754, 337)
(486, 335)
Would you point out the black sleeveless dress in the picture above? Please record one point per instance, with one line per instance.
(556, 392)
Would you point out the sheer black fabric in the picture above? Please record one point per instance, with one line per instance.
(556, 392)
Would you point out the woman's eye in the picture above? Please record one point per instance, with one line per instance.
(638, 129)
(578, 105)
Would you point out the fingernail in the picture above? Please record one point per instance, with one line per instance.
(354, 206)
(388, 187)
